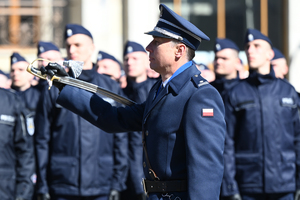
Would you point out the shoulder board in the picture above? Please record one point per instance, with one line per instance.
(199, 80)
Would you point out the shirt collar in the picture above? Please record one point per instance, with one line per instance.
(178, 71)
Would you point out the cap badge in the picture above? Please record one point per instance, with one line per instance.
(99, 56)
(250, 37)
(14, 60)
(161, 12)
(201, 67)
(42, 49)
(69, 32)
(129, 49)
(218, 47)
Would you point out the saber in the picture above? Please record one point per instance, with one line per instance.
(77, 68)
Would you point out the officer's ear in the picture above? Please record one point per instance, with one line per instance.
(270, 54)
(181, 50)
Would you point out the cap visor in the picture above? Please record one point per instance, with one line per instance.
(157, 34)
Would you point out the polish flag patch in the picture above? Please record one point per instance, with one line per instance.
(207, 112)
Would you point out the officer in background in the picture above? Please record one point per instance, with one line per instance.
(226, 65)
(50, 52)
(262, 145)
(77, 160)
(182, 119)
(206, 73)
(109, 65)
(21, 84)
(16, 157)
(136, 64)
(279, 64)
(21, 79)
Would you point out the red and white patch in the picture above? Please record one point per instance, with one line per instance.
(207, 112)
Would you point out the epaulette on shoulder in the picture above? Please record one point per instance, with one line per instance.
(199, 80)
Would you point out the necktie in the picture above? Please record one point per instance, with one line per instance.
(161, 87)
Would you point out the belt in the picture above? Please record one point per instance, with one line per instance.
(164, 186)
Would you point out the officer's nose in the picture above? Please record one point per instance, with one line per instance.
(148, 48)
(72, 49)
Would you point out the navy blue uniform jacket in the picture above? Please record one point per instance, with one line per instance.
(137, 92)
(16, 150)
(262, 146)
(224, 85)
(181, 142)
(73, 156)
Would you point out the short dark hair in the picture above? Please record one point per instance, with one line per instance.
(190, 52)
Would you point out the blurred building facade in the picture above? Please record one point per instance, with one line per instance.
(112, 22)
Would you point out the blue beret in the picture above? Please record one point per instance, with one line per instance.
(221, 44)
(277, 54)
(73, 29)
(253, 34)
(15, 57)
(46, 46)
(171, 25)
(102, 55)
(133, 47)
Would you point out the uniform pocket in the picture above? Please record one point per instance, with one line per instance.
(248, 169)
(245, 105)
(64, 170)
(288, 167)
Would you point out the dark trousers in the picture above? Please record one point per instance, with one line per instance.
(67, 197)
(274, 196)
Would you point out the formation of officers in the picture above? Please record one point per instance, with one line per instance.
(193, 134)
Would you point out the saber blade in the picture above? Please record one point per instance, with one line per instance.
(76, 67)
(94, 89)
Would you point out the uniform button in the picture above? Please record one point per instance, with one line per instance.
(144, 164)
(196, 75)
(147, 133)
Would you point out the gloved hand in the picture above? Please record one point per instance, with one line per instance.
(54, 69)
(43, 197)
(141, 196)
(297, 195)
(233, 197)
(114, 195)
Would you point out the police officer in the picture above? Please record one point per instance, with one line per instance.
(263, 132)
(30, 95)
(16, 157)
(76, 160)
(50, 52)
(109, 65)
(206, 73)
(136, 64)
(226, 65)
(279, 64)
(21, 79)
(182, 119)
